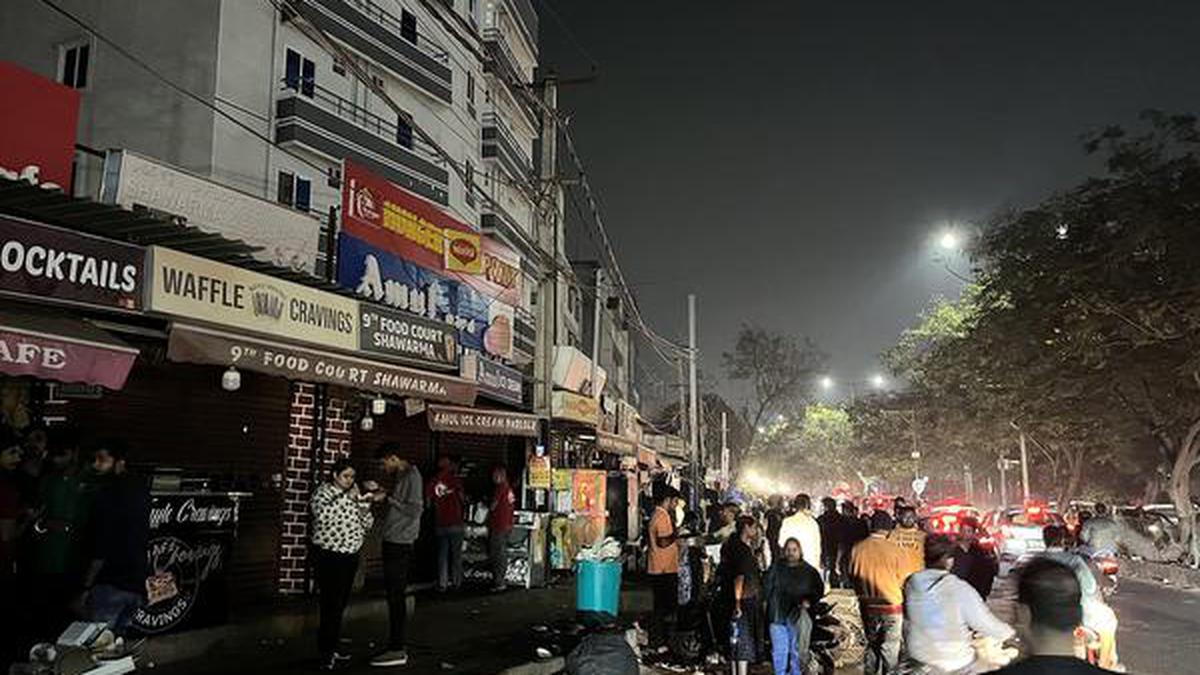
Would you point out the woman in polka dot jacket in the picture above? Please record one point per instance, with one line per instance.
(341, 519)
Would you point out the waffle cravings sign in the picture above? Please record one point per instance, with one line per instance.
(195, 288)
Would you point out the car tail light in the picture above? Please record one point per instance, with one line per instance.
(1108, 566)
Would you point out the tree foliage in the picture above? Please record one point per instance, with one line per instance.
(778, 371)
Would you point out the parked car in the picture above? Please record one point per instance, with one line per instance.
(947, 518)
(1017, 531)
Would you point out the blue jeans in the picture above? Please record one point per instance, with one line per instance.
(113, 606)
(450, 550)
(789, 645)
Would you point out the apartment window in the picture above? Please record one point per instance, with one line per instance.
(74, 60)
(339, 68)
(408, 26)
(404, 132)
(470, 88)
(300, 73)
(294, 191)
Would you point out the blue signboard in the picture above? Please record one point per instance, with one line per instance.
(483, 323)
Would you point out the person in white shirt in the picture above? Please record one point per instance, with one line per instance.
(942, 613)
(803, 527)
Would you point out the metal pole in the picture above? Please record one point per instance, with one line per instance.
(694, 407)
(1003, 483)
(1024, 468)
(724, 446)
(916, 452)
(599, 308)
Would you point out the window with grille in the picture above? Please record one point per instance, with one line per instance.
(74, 61)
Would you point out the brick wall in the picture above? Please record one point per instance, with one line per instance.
(300, 474)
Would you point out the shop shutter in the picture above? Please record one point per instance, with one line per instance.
(177, 415)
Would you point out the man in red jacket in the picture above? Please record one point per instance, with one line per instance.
(500, 524)
(445, 492)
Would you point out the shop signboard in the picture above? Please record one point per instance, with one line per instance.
(53, 264)
(483, 324)
(191, 537)
(588, 492)
(616, 445)
(37, 128)
(573, 407)
(539, 471)
(628, 426)
(391, 219)
(406, 337)
(500, 382)
(42, 352)
(484, 422)
(286, 237)
(562, 479)
(500, 275)
(573, 370)
(185, 286)
(193, 344)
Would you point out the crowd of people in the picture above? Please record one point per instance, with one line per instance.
(922, 597)
(74, 523)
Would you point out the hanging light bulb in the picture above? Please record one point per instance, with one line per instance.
(367, 423)
(231, 379)
(378, 406)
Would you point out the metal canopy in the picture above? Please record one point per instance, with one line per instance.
(142, 227)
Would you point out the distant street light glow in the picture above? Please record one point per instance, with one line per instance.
(877, 381)
(949, 241)
(827, 382)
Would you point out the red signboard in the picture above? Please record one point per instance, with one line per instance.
(388, 217)
(63, 359)
(37, 128)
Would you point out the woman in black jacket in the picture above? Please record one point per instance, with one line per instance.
(791, 587)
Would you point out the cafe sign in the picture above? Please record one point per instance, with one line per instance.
(483, 422)
(193, 344)
(195, 288)
(406, 337)
(52, 264)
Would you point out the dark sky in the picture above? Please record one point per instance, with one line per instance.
(790, 161)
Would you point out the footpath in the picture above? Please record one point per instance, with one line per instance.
(476, 634)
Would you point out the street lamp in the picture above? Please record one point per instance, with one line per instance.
(827, 383)
(877, 381)
(949, 241)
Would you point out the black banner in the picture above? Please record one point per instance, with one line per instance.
(407, 336)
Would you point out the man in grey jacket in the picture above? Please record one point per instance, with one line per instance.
(401, 525)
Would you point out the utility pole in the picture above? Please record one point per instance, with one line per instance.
(596, 316)
(550, 242)
(1024, 469)
(694, 409)
(724, 446)
(916, 452)
(1003, 464)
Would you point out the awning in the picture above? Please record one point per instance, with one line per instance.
(62, 348)
(615, 444)
(195, 344)
(483, 422)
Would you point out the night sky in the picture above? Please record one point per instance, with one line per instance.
(790, 162)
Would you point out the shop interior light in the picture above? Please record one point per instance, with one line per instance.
(231, 379)
(367, 423)
(378, 406)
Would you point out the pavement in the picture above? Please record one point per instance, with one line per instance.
(469, 634)
(1159, 628)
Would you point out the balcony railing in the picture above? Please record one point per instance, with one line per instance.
(323, 121)
(505, 60)
(383, 38)
(496, 132)
(392, 22)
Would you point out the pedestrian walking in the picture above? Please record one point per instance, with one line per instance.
(853, 529)
(830, 524)
(972, 562)
(909, 537)
(401, 526)
(804, 528)
(877, 568)
(500, 525)
(663, 562)
(774, 518)
(445, 492)
(791, 587)
(742, 578)
(341, 519)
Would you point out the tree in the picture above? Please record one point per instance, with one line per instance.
(778, 369)
(739, 436)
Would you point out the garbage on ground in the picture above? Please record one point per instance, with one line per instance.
(602, 551)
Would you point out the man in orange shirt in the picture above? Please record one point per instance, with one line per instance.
(878, 568)
(663, 562)
(910, 538)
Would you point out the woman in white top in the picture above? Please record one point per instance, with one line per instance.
(341, 519)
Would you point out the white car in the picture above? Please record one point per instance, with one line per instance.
(1017, 531)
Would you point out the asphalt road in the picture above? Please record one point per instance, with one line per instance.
(1159, 629)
